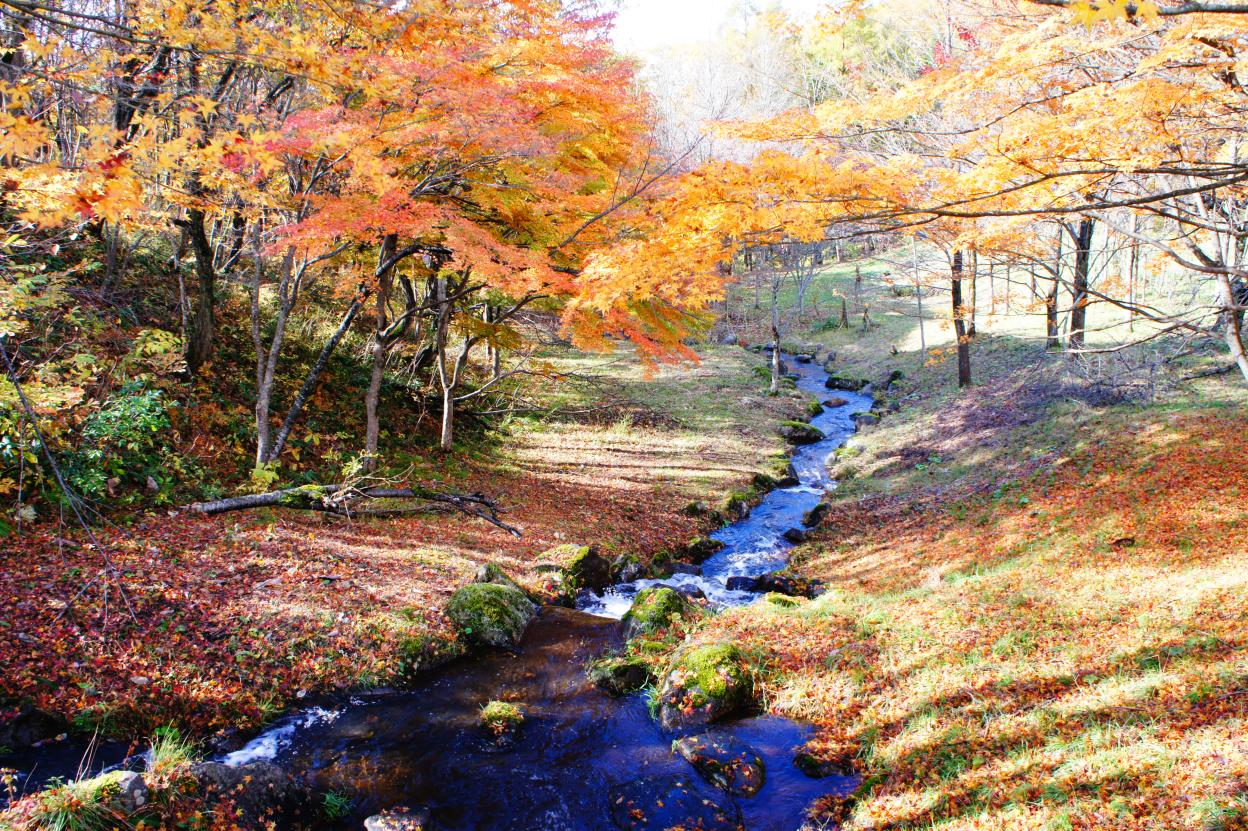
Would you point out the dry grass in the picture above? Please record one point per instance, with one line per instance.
(1070, 654)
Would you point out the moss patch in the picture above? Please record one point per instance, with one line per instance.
(655, 609)
(491, 614)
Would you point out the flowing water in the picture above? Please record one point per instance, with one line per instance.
(423, 747)
(756, 545)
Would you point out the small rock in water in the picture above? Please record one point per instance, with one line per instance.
(791, 585)
(620, 675)
(724, 762)
(740, 584)
(835, 401)
(658, 803)
(398, 819)
(691, 592)
(795, 535)
(685, 568)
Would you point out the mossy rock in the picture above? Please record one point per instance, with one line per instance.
(799, 432)
(654, 609)
(493, 573)
(501, 719)
(491, 614)
(814, 408)
(845, 382)
(584, 567)
(620, 675)
(701, 549)
(704, 685)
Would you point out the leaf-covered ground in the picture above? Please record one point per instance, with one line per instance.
(235, 616)
(1067, 652)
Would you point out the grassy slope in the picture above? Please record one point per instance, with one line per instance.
(236, 614)
(1039, 605)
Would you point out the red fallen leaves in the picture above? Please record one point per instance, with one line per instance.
(234, 616)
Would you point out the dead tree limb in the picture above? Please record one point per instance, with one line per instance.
(344, 500)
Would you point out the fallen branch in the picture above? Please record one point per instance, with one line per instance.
(343, 500)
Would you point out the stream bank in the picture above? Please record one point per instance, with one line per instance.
(579, 754)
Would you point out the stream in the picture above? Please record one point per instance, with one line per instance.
(423, 747)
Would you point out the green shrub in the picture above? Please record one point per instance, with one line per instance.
(124, 440)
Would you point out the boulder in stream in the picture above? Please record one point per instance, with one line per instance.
(491, 614)
(259, 792)
(724, 762)
(704, 684)
(789, 584)
(845, 382)
(799, 432)
(816, 515)
(835, 401)
(398, 819)
(658, 803)
(654, 609)
(701, 549)
(31, 726)
(619, 675)
(584, 567)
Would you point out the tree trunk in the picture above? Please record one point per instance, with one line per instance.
(1231, 322)
(1053, 339)
(314, 376)
(381, 349)
(1079, 288)
(959, 324)
(970, 322)
(775, 335)
(199, 342)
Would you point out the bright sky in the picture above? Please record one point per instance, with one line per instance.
(645, 24)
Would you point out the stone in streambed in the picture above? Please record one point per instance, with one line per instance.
(701, 549)
(30, 727)
(799, 432)
(795, 536)
(724, 762)
(585, 567)
(260, 792)
(816, 515)
(658, 803)
(835, 401)
(491, 614)
(398, 819)
(740, 584)
(620, 675)
(845, 382)
(654, 609)
(703, 685)
(789, 584)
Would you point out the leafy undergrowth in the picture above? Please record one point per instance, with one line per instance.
(1070, 652)
(234, 616)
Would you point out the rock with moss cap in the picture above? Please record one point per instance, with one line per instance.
(491, 614)
(493, 573)
(620, 674)
(654, 609)
(799, 432)
(703, 685)
(584, 567)
(501, 720)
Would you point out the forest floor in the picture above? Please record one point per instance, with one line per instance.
(237, 615)
(1038, 604)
